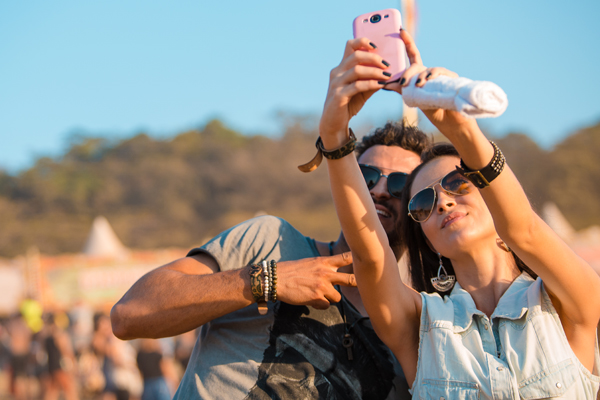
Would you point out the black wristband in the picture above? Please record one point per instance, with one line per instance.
(483, 177)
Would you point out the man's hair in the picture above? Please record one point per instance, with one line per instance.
(396, 134)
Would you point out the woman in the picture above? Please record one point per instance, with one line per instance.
(499, 333)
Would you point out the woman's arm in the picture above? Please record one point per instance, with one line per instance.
(393, 307)
(573, 285)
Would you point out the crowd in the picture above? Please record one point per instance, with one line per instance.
(75, 355)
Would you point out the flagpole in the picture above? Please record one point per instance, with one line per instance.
(409, 17)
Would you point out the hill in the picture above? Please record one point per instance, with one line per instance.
(181, 191)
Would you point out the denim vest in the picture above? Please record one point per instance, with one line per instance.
(520, 352)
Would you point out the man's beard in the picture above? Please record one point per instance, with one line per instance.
(394, 239)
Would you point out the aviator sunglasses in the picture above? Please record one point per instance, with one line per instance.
(395, 180)
(421, 205)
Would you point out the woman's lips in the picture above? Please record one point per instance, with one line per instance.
(451, 218)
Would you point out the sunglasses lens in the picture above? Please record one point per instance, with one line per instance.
(456, 183)
(371, 175)
(421, 204)
(396, 182)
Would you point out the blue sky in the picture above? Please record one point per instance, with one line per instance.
(116, 68)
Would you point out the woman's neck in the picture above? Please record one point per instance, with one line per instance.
(486, 274)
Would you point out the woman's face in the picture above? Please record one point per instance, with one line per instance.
(457, 223)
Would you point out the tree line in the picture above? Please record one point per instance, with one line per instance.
(180, 191)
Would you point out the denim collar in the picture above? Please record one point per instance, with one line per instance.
(512, 305)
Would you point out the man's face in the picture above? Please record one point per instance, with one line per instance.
(388, 159)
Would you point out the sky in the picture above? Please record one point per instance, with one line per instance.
(117, 68)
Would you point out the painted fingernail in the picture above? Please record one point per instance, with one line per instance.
(373, 45)
(387, 64)
(387, 73)
(382, 82)
(418, 81)
(428, 75)
(402, 81)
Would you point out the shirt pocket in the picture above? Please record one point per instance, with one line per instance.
(554, 381)
(434, 389)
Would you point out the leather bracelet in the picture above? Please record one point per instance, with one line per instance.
(335, 154)
(483, 177)
(256, 285)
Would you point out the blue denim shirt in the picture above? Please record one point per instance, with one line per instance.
(520, 352)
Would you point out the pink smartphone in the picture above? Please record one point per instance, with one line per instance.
(383, 29)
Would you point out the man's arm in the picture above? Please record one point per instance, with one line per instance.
(190, 292)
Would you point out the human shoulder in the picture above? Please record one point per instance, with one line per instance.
(254, 240)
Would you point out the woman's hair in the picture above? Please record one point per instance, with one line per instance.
(424, 262)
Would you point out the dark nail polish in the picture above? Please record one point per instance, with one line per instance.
(418, 81)
(387, 73)
(428, 75)
(373, 45)
(402, 81)
(382, 82)
(387, 64)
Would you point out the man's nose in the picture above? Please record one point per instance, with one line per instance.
(380, 191)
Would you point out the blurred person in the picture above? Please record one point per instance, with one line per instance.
(20, 356)
(151, 363)
(61, 362)
(32, 313)
(184, 345)
(314, 340)
(81, 316)
(121, 377)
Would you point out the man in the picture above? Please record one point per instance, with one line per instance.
(316, 340)
(297, 349)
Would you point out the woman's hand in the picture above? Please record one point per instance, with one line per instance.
(444, 120)
(359, 75)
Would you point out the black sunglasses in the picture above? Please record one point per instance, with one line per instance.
(395, 181)
(421, 205)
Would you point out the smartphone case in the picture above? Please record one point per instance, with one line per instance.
(383, 29)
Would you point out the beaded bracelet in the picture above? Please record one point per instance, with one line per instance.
(263, 283)
(273, 276)
(265, 270)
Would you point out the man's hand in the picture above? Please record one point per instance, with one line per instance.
(311, 281)
(351, 83)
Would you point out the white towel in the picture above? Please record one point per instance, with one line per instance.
(476, 99)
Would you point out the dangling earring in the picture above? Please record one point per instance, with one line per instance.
(443, 282)
(500, 243)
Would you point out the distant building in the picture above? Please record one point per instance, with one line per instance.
(98, 276)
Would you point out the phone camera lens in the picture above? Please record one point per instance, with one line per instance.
(375, 18)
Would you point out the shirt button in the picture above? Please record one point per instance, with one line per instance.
(442, 398)
(485, 327)
(500, 368)
(558, 385)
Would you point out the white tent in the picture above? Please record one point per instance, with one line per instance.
(103, 242)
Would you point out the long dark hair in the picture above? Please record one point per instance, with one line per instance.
(424, 262)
